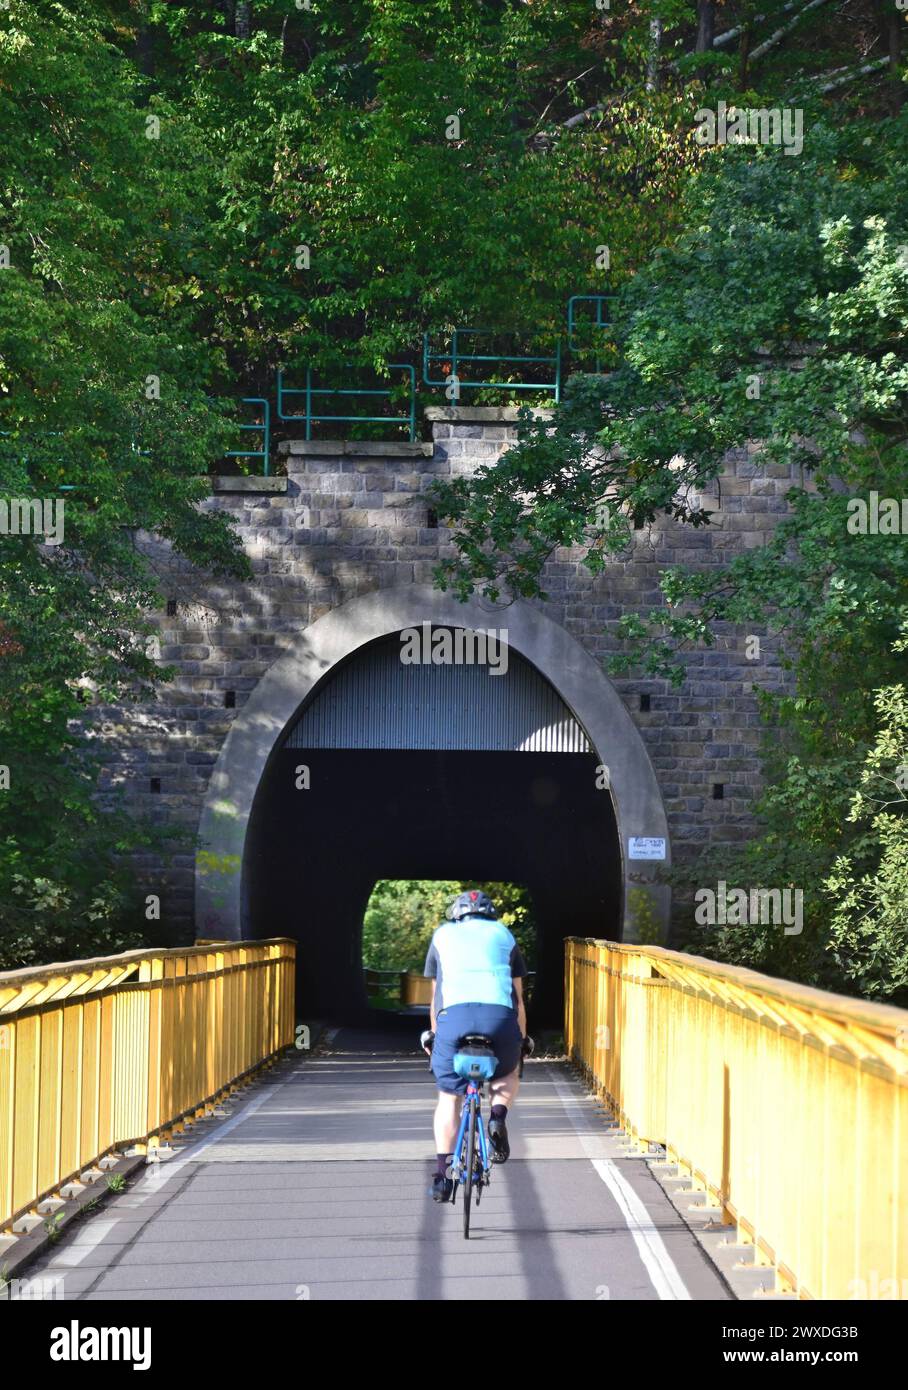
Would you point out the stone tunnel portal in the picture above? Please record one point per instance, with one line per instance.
(428, 771)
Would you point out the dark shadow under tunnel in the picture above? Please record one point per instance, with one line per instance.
(315, 854)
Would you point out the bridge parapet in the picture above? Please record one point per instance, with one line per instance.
(119, 1052)
(785, 1105)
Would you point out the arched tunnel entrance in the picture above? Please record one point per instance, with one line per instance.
(429, 772)
(535, 820)
(348, 765)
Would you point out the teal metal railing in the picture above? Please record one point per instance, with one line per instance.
(600, 318)
(311, 417)
(23, 458)
(264, 429)
(457, 357)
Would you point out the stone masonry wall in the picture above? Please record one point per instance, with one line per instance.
(349, 518)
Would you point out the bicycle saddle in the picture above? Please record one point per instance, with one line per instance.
(476, 1039)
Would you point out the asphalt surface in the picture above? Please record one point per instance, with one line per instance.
(316, 1187)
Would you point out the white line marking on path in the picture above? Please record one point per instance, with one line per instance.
(659, 1265)
(159, 1173)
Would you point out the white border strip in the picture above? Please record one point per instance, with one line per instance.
(659, 1265)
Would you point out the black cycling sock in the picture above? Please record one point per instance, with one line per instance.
(499, 1112)
(441, 1163)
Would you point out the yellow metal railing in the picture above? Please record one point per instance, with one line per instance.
(787, 1105)
(99, 1054)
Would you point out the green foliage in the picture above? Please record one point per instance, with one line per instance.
(793, 276)
(642, 910)
(98, 220)
(797, 278)
(836, 827)
(402, 914)
(868, 886)
(345, 145)
(399, 921)
(53, 1226)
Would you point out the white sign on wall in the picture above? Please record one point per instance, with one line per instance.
(645, 847)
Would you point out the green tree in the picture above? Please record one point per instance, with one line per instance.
(164, 167)
(399, 921)
(868, 886)
(384, 169)
(106, 412)
(795, 278)
(402, 914)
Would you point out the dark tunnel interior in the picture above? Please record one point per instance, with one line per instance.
(314, 855)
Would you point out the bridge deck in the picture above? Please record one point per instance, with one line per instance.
(316, 1186)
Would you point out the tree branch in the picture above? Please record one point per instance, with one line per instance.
(786, 29)
(730, 34)
(561, 94)
(849, 76)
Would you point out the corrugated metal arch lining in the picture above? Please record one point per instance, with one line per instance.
(376, 700)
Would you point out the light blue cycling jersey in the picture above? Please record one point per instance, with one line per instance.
(474, 961)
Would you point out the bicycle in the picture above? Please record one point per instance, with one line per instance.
(476, 1062)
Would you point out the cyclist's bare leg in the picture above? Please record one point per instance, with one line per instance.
(447, 1119)
(504, 1090)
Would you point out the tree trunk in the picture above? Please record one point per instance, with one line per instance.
(295, 48)
(145, 54)
(890, 21)
(242, 23)
(743, 56)
(706, 25)
(655, 50)
(706, 28)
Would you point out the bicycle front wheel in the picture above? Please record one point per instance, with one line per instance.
(470, 1151)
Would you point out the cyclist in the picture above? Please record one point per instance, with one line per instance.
(477, 971)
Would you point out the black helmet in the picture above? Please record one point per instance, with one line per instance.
(472, 904)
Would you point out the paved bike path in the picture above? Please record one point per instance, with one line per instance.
(316, 1188)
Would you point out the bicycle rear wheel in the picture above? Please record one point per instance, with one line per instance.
(470, 1150)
